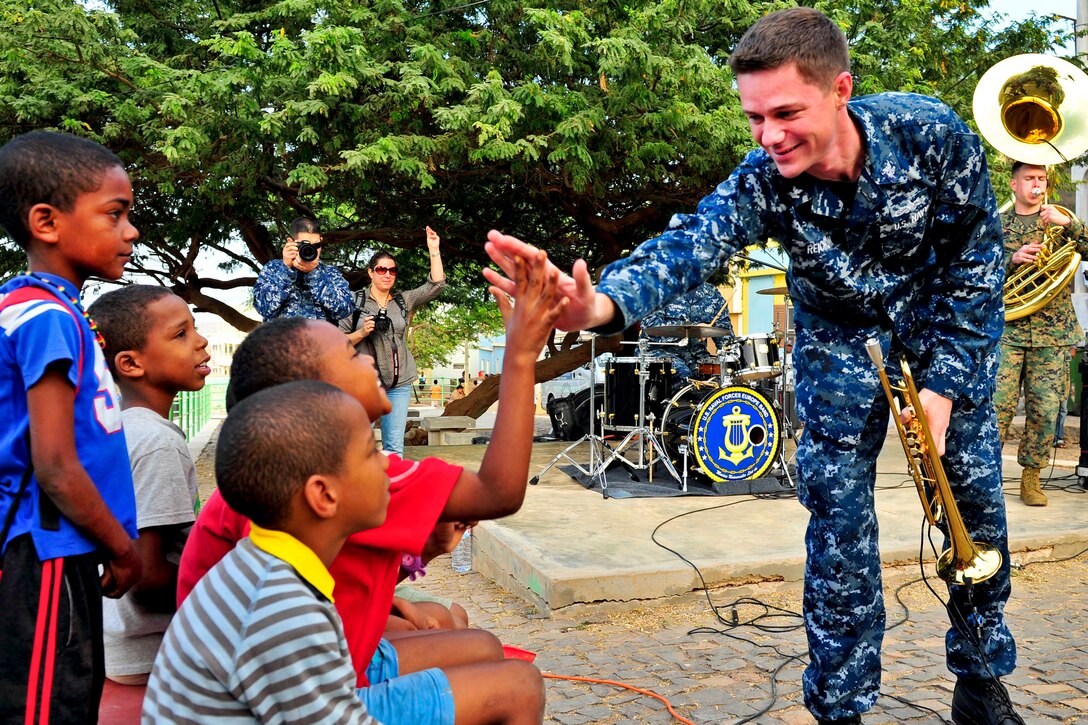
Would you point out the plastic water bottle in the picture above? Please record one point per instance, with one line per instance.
(462, 554)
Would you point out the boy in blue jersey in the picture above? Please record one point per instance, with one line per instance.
(66, 499)
(259, 639)
(155, 352)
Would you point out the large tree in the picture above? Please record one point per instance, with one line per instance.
(581, 125)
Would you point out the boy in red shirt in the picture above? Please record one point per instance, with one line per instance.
(422, 494)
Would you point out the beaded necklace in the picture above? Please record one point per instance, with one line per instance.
(75, 301)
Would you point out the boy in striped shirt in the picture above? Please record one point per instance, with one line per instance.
(259, 639)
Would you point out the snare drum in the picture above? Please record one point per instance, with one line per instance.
(709, 367)
(731, 433)
(759, 357)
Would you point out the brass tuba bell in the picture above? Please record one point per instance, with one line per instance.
(1018, 109)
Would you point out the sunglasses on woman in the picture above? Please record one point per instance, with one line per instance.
(386, 270)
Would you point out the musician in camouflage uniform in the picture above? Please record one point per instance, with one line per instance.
(885, 207)
(704, 305)
(1035, 349)
(292, 287)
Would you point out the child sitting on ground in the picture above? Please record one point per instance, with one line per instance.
(154, 352)
(288, 349)
(259, 639)
(421, 493)
(66, 503)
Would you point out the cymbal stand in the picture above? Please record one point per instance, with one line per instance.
(641, 432)
(596, 442)
(781, 387)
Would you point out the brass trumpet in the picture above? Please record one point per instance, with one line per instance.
(965, 560)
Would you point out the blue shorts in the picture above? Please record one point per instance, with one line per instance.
(419, 698)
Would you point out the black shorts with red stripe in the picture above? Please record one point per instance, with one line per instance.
(51, 662)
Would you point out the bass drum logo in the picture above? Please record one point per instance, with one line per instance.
(736, 434)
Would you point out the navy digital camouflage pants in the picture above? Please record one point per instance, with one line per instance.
(1043, 372)
(843, 599)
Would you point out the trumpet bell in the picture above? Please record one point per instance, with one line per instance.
(984, 562)
(1020, 108)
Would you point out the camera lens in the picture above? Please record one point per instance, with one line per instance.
(307, 252)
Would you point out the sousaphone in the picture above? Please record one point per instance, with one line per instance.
(1031, 108)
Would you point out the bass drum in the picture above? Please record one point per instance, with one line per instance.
(731, 434)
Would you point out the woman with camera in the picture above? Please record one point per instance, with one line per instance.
(378, 325)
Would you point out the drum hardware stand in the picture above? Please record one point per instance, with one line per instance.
(645, 433)
(596, 443)
(787, 418)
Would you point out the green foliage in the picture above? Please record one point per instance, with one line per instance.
(439, 329)
(581, 125)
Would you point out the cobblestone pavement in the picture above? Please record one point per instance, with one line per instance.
(722, 675)
(717, 674)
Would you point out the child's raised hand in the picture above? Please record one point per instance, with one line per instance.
(581, 312)
(540, 303)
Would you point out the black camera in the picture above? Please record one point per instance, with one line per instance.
(382, 321)
(307, 252)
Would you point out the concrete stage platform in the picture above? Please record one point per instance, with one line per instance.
(569, 547)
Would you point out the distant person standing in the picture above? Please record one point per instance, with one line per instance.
(378, 324)
(299, 285)
(1035, 348)
(436, 394)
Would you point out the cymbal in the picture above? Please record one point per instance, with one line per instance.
(774, 291)
(688, 331)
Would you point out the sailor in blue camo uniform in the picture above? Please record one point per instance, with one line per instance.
(291, 287)
(703, 305)
(885, 207)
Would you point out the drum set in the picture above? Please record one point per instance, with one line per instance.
(725, 422)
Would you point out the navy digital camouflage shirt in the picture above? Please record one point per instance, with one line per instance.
(322, 294)
(917, 252)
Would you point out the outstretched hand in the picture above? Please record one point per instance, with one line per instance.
(539, 302)
(585, 308)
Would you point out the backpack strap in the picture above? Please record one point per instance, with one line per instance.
(33, 293)
(399, 299)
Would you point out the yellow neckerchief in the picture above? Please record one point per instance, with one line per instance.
(302, 559)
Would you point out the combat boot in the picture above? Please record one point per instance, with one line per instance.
(983, 702)
(1030, 491)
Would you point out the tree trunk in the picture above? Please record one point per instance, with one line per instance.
(480, 399)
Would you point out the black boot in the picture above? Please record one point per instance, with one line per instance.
(852, 720)
(982, 702)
